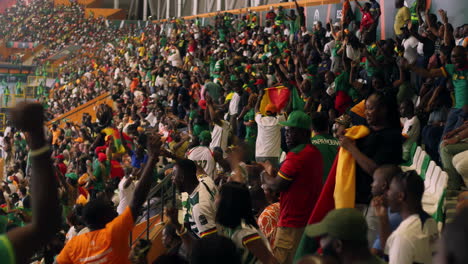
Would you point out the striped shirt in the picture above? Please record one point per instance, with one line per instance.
(241, 236)
(201, 209)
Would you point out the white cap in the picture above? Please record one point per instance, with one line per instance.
(153, 96)
(336, 24)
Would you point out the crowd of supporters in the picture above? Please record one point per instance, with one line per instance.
(283, 141)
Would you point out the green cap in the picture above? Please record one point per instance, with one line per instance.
(346, 224)
(298, 119)
(72, 176)
(205, 135)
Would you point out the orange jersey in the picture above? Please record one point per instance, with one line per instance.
(104, 246)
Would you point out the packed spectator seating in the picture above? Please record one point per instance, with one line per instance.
(287, 144)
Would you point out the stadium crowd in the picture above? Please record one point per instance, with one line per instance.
(284, 142)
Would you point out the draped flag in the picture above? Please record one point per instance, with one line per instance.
(339, 190)
(278, 96)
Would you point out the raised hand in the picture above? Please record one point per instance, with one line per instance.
(28, 117)
(154, 145)
(379, 206)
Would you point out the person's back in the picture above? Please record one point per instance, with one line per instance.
(220, 135)
(203, 156)
(106, 245)
(269, 136)
(304, 168)
(402, 16)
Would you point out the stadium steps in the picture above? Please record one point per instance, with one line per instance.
(94, 8)
(155, 227)
(29, 57)
(75, 115)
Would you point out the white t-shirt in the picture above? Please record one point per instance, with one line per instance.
(411, 49)
(269, 135)
(219, 135)
(234, 104)
(411, 128)
(152, 119)
(412, 243)
(204, 158)
(125, 195)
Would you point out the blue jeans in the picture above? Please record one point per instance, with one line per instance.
(455, 119)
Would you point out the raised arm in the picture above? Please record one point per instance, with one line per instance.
(144, 185)
(421, 71)
(46, 216)
(429, 25)
(448, 36)
(212, 113)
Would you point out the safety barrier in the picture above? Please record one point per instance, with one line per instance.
(150, 227)
(11, 100)
(2, 123)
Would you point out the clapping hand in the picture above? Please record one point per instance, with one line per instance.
(379, 206)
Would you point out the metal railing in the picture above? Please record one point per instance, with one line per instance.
(10, 100)
(166, 192)
(2, 129)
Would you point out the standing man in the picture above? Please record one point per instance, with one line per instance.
(375, 12)
(299, 181)
(268, 145)
(202, 154)
(324, 141)
(201, 208)
(221, 128)
(402, 17)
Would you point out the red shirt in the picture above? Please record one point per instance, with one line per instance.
(62, 167)
(116, 170)
(304, 170)
(367, 20)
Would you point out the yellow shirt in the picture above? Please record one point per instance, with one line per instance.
(402, 16)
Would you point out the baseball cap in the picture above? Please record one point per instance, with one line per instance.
(72, 176)
(298, 119)
(202, 104)
(205, 135)
(102, 157)
(345, 223)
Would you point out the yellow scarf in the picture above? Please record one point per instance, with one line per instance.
(345, 187)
